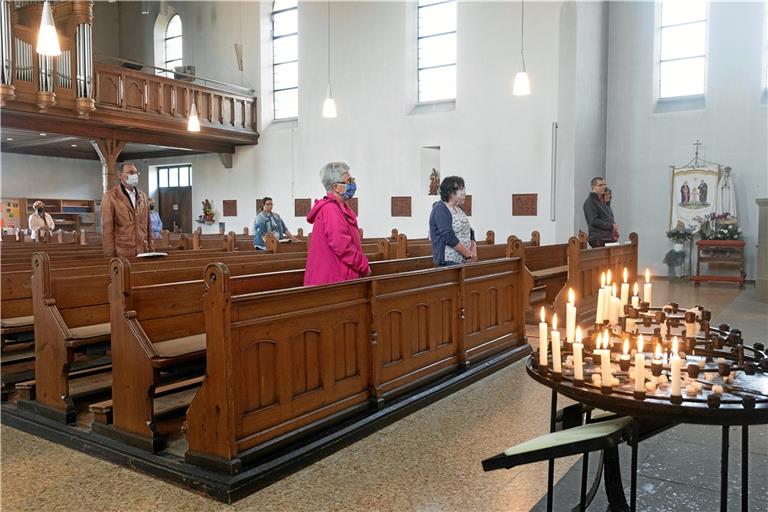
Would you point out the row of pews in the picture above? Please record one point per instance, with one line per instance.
(220, 353)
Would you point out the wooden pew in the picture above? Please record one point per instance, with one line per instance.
(584, 268)
(71, 312)
(283, 363)
(159, 326)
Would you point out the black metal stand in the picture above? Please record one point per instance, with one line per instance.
(551, 468)
(745, 467)
(633, 481)
(724, 471)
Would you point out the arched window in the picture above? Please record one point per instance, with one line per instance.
(172, 43)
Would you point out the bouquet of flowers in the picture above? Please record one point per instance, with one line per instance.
(207, 215)
(680, 236)
(719, 227)
(727, 232)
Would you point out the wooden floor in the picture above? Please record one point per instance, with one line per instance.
(431, 458)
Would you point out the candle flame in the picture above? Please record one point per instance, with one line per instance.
(543, 315)
(608, 279)
(635, 291)
(658, 351)
(602, 279)
(554, 321)
(579, 335)
(605, 339)
(571, 296)
(626, 346)
(647, 276)
(674, 346)
(640, 343)
(613, 290)
(626, 274)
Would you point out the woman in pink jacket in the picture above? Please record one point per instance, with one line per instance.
(335, 251)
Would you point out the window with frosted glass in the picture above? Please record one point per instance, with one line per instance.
(171, 176)
(436, 52)
(173, 45)
(682, 48)
(285, 59)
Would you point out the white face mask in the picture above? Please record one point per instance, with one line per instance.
(132, 180)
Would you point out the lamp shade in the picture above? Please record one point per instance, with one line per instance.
(47, 38)
(329, 105)
(522, 86)
(193, 125)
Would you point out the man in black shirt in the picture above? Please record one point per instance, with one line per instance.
(602, 228)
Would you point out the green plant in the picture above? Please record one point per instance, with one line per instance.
(679, 236)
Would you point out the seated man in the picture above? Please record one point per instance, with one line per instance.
(40, 219)
(268, 222)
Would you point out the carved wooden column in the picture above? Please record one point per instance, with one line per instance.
(82, 13)
(7, 90)
(108, 151)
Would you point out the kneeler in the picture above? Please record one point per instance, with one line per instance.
(599, 436)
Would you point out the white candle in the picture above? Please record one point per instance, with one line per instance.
(605, 361)
(614, 307)
(556, 364)
(677, 365)
(599, 313)
(663, 329)
(624, 293)
(648, 289)
(631, 325)
(543, 340)
(607, 301)
(570, 317)
(578, 358)
(640, 366)
(635, 297)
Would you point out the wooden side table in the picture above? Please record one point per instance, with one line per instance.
(720, 251)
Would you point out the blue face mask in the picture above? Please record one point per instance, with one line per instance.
(349, 193)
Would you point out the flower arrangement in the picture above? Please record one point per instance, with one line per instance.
(680, 236)
(727, 232)
(207, 215)
(719, 226)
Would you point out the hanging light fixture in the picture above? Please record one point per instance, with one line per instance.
(193, 125)
(522, 85)
(329, 105)
(47, 38)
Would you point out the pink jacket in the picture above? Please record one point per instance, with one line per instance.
(335, 252)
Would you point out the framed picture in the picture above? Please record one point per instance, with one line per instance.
(693, 194)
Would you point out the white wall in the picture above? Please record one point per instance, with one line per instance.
(499, 143)
(55, 178)
(641, 144)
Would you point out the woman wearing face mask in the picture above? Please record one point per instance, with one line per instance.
(453, 240)
(154, 220)
(39, 219)
(335, 252)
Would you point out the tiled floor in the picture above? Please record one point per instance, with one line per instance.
(429, 461)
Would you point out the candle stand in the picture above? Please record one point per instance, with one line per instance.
(726, 382)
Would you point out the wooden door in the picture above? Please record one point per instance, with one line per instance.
(175, 208)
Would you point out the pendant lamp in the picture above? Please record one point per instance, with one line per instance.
(522, 85)
(47, 38)
(329, 105)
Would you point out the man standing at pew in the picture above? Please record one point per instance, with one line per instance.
(40, 219)
(125, 224)
(600, 223)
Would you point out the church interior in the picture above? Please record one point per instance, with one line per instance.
(404, 255)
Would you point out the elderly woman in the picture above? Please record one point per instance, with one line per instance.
(453, 240)
(335, 251)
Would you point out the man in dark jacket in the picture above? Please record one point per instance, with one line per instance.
(602, 228)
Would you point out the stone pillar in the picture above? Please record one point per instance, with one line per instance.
(761, 279)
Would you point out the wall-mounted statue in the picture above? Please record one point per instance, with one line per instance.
(434, 182)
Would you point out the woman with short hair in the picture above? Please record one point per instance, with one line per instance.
(453, 239)
(335, 251)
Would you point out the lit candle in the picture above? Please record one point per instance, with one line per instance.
(605, 362)
(556, 364)
(543, 340)
(624, 292)
(578, 358)
(635, 297)
(640, 366)
(648, 289)
(608, 278)
(615, 306)
(608, 289)
(599, 312)
(624, 359)
(677, 365)
(570, 317)
(656, 363)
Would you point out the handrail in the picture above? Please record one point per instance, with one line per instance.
(205, 81)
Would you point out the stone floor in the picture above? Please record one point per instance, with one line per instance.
(429, 461)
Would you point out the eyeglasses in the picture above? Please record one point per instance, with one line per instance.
(349, 180)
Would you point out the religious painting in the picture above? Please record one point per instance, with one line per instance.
(301, 207)
(434, 182)
(693, 195)
(229, 208)
(401, 206)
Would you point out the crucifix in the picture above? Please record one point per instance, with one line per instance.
(697, 144)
